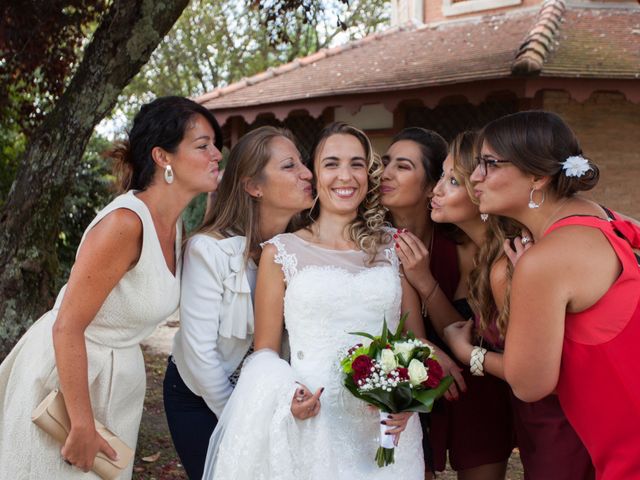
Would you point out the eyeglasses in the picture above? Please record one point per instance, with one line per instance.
(485, 163)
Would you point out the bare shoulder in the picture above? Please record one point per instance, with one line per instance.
(565, 250)
(269, 251)
(119, 234)
(121, 222)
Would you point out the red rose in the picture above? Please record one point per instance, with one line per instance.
(435, 373)
(361, 367)
(403, 374)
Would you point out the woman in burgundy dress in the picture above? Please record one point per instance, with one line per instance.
(475, 427)
(574, 318)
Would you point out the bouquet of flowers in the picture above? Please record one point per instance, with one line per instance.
(395, 373)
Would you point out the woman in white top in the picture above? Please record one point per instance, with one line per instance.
(264, 185)
(125, 281)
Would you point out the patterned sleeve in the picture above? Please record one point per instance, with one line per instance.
(287, 261)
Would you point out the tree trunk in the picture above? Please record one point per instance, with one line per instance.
(122, 44)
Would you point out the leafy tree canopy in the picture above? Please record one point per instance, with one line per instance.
(216, 42)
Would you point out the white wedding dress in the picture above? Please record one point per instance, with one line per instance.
(329, 294)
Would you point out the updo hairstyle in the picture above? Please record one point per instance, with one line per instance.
(537, 143)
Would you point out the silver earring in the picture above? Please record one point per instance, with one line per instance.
(532, 203)
(484, 217)
(168, 174)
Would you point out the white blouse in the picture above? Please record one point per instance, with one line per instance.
(216, 316)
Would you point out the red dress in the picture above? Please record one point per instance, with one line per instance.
(599, 383)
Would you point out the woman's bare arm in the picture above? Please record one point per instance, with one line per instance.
(110, 249)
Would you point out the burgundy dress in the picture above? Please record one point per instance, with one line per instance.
(477, 428)
(599, 383)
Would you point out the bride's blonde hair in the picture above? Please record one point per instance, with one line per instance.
(367, 229)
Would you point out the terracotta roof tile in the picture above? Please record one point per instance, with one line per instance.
(596, 43)
(550, 41)
(538, 43)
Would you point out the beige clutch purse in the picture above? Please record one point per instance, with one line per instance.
(51, 416)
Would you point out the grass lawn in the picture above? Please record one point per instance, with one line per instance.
(157, 460)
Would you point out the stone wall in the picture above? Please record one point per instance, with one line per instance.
(608, 127)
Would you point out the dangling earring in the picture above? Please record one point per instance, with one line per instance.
(532, 203)
(484, 217)
(168, 174)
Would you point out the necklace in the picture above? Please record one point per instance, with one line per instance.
(553, 215)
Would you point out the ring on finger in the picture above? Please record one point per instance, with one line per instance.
(525, 239)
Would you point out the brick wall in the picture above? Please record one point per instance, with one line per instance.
(608, 127)
(433, 10)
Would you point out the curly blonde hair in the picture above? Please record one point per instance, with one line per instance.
(367, 230)
(480, 293)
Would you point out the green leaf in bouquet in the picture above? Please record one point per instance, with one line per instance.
(382, 397)
(384, 338)
(353, 388)
(422, 353)
(427, 397)
(398, 334)
(363, 334)
(403, 396)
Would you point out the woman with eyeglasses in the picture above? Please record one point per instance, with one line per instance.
(549, 448)
(574, 319)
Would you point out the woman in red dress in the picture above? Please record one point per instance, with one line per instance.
(575, 311)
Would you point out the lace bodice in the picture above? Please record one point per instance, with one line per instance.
(329, 294)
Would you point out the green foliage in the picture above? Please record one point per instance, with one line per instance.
(194, 213)
(93, 188)
(217, 42)
(40, 43)
(12, 146)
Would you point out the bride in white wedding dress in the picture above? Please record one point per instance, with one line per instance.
(338, 275)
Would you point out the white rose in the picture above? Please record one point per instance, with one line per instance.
(404, 350)
(417, 372)
(388, 360)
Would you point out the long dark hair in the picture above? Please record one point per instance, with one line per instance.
(433, 149)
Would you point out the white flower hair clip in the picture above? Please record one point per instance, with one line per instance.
(575, 166)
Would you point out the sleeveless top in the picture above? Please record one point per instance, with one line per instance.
(599, 383)
(145, 296)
